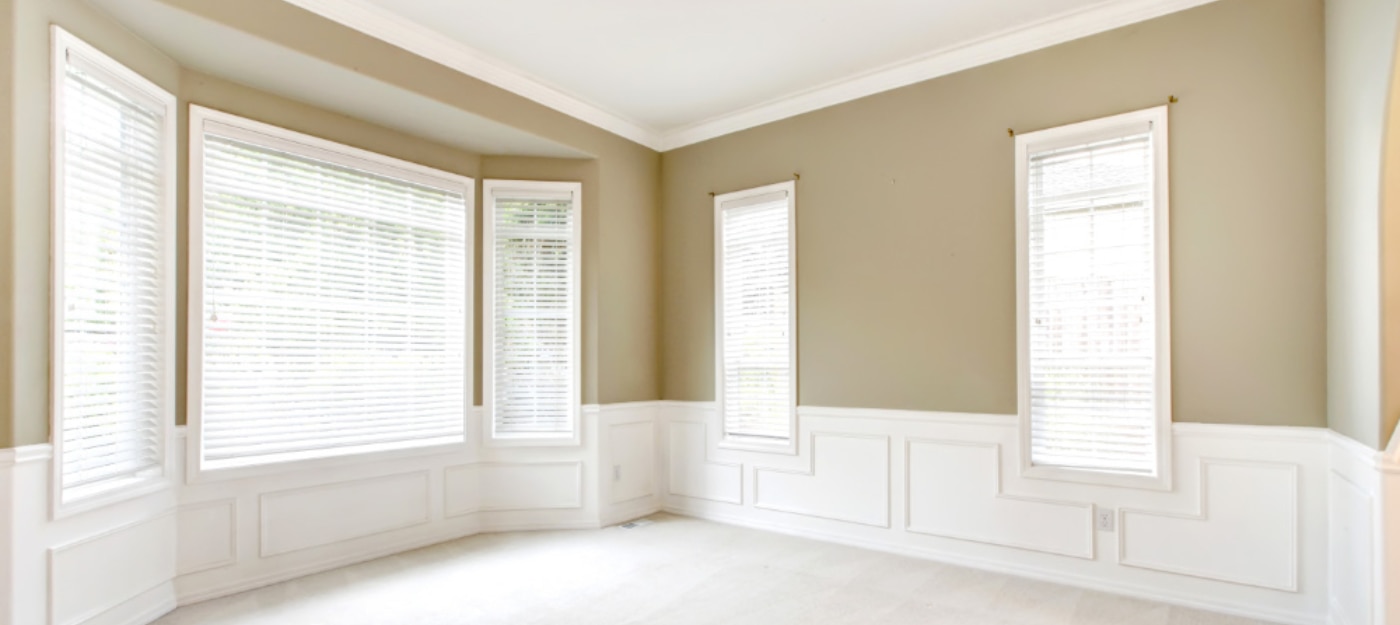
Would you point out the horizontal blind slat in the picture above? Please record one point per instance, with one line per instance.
(1091, 301)
(335, 307)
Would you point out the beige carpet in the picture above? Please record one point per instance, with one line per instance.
(675, 571)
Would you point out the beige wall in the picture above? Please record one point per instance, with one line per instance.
(620, 184)
(905, 211)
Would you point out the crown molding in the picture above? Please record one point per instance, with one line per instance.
(430, 44)
(995, 47)
(396, 30)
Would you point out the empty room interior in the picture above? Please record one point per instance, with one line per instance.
(976, 312)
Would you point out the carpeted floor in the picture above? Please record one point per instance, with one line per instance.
(675, 571)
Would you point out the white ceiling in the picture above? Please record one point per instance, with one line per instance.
(204, 46)
(671, 72)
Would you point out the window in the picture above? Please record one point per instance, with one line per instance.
(532, 296)
(330, 298)
(1093, 311)
(114, 273)
(756, 326)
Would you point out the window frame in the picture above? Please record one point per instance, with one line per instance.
(1076, 134)
(63, 44)
(308, 146)
(739, 442)
(525, 188)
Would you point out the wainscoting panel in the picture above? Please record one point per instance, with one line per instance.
(207, 535)
(632, 448)
(955, 491)
(303, 518)
(93, 578)
(849, 481)
(1246, 531)
(692, 475)
(530, 486)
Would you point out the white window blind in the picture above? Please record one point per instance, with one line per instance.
(114, 250)
(1091, 295)
(755, 310)
(335, 299)
(532, 295)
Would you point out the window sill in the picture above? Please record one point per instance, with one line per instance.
(787, 447)
(493, 441)
(109, 494)
(195, 473)
(1160, 482)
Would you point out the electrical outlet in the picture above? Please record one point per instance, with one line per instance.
(1103, 519)
(617, 473)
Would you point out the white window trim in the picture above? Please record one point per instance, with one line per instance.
(744, 443)
(1073, 134)
(331, 152)
(525, 188)
(64, 44)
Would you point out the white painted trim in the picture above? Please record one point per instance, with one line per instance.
(1155, 120)
(1278, 433)
(958, 418)
(64, 46)
(13, 456)
(307, 146)
(396, 30)
(517, 189)
(1359, 451)
(726, 441)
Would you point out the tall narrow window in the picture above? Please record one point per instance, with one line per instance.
(532, 297)
(756, 381)
(331, 298)
(114, 254)
(1095, 394)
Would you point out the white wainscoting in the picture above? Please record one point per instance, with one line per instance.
(129, 563)
(1243, 532)
(974, 507)
(1284, 524)
(849, 481)
(115, 565)
(112, 572)
(692, 474)
(1248, 510)
(249, 532)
